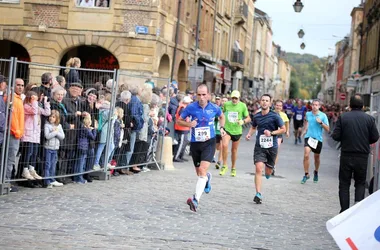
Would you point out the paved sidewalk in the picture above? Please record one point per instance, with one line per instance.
(149, 211)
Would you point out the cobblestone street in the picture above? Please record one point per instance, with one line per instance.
(149, 211)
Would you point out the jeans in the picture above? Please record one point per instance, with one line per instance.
(14, 145)
(99, 152)
(90, 159)
(29, 155)
(80, 165)
(51, 157)
(352, 165)
(131, 145)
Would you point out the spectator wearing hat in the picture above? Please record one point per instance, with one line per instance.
(182, 132)
(74, 108)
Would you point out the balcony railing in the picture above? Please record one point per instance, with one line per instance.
(241, 14)
(238, 57)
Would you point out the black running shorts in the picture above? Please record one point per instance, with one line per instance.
(234, 138)
(298, 124)
(315, 151)
(265, 155)
(203, 151)
(218, 138)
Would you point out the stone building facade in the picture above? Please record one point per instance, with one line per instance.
(139, 36)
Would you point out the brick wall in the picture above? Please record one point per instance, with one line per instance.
(133, 18)
(45, 14)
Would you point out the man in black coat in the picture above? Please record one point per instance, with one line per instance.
(356, 131)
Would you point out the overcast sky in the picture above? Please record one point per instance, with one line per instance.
(320, 19)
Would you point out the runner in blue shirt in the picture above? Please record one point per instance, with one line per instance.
(269, 125)
(315, 122)
(298, 117)
(288, 109)
(200, 116)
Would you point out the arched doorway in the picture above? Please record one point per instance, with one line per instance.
(164, 70)
(182, 79)
(10, 49)
(92, 57)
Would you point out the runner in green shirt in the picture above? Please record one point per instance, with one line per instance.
(237, 115)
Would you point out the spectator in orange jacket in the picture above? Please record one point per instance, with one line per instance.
(17, 128)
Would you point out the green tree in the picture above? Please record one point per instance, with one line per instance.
(306, 71)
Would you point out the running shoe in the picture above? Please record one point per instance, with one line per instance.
(274, 170)
(295, 141)
(315, 179)
(233, 172)
(208, 183)
(217, 165)
(193, 203)
(299, 139)
(223, 170)
(304, 179)
(258, 198)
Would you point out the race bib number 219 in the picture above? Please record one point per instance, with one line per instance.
(202, 134)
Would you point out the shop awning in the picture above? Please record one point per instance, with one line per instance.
(212, 68)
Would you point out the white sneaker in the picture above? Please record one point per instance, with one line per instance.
(26, 174)
(96, 167)
(109, 166)
(50, 186)
(56, 184)
(35, 175)
(145, 169)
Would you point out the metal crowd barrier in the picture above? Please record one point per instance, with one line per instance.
(376, 148)
(75, 159)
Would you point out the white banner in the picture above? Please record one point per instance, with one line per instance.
(358, 228)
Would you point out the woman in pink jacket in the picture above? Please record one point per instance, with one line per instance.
(32, 133)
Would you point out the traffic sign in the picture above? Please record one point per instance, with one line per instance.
(343, 96)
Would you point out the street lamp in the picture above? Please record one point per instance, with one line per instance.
(298, 6)
(301, 33)
(303, 46)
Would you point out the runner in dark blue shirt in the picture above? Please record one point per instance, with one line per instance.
(200, 116)
(298, 117)
(268, 124)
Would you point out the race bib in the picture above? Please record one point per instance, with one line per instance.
(288, 111)
(266, 141)
(313, 143)
(298, 117)
(202, 134)
(232, 116)
(217, 126)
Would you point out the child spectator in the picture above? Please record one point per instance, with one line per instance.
(103, 123)
(86, 133)
(32, 134)
(53, 134)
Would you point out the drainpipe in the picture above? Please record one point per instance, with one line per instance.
(213, 31)
(176, 40)
(197, 31)
(231, 38)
